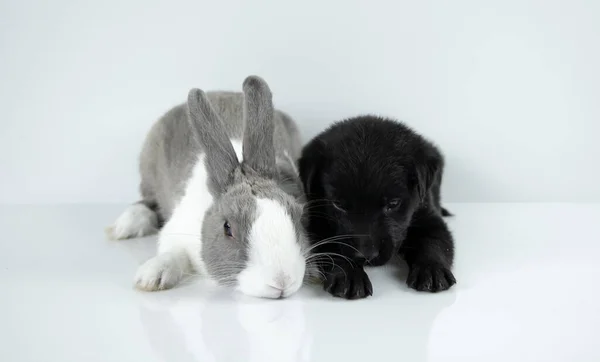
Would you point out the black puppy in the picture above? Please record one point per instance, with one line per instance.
(373, 189)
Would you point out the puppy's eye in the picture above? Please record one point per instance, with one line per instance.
(338, 206)
(392, 205)
(227, 229)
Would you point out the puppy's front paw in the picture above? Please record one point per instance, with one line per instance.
(349, 283)
(430, 277)
(161, 272)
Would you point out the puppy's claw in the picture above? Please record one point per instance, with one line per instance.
(430, 277)
(353, 283)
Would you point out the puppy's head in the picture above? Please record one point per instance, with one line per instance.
(364, 178)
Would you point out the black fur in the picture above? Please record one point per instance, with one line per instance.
(351, 172)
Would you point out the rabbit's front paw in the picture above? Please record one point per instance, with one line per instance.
(163, 271)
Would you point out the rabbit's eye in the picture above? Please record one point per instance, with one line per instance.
(227, 229)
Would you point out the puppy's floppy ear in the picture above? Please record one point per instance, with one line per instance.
(310, 167)
(428, 164)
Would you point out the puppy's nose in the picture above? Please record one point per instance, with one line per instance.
(373, 255)
(367, 255)
(367, 249)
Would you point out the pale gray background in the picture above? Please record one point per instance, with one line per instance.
(508, 89)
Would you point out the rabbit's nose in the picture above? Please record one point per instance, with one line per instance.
(283, 280)
(277, 288)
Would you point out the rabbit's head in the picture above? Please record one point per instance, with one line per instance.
(252, 236)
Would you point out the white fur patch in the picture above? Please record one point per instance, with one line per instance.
(163, 271)
(183, 231)
(182, 234)
(276, 265)
(238, 148)
(136, 221)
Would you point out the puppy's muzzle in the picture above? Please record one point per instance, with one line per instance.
(367, 249)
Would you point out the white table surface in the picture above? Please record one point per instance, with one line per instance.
(528, 278)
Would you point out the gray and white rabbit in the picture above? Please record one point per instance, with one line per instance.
(220, 174)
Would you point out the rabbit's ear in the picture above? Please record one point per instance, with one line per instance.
(258, 148)
(209, 131)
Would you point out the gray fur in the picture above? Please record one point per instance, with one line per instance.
(225, 258)
(209, 132)
(170, 151)
(271, 147)
(258, 137)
